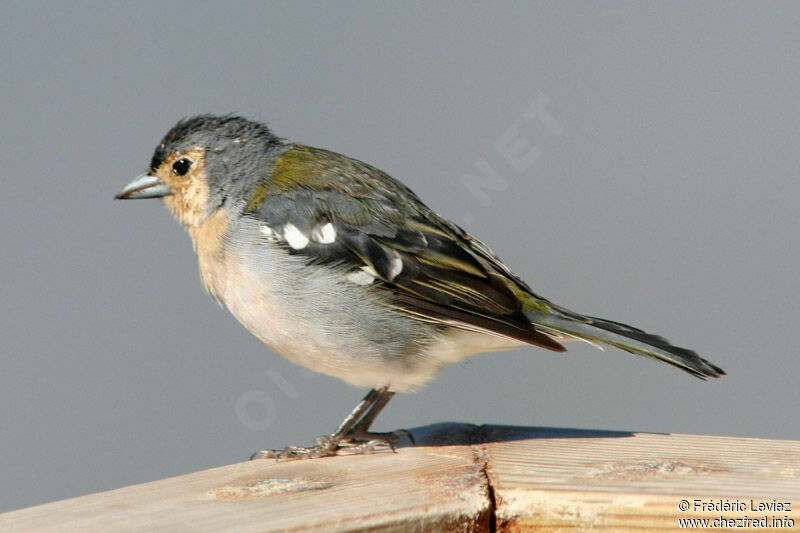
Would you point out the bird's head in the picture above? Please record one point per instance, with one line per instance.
(204, 163)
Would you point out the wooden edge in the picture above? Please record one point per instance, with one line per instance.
(463, 478)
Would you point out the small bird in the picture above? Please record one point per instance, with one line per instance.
(340, 268)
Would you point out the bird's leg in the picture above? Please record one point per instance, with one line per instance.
(361, 411)
(329, 444)
(366, 421)
(360, 432)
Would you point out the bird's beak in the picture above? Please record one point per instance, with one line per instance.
(144, 186)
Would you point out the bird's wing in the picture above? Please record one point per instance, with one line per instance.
(339, 211)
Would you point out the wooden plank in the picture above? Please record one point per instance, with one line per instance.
(461, 478)
(546, 479)
(435, 489)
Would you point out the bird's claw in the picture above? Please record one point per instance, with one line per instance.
(364, 448)
(325, 446)
(294, 452)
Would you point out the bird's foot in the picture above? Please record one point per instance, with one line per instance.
(325, 446)
(352, 437)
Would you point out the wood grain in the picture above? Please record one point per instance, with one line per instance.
(458, 478)
(439, 489)
(616, 481)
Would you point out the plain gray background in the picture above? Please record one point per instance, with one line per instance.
(664, 193)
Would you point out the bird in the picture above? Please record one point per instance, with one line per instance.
(341, 268)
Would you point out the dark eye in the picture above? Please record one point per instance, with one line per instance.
(181, 166)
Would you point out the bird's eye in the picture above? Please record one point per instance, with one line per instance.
(181, 166)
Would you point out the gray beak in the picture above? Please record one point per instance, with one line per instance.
(144, 186)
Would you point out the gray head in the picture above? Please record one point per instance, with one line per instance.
(205, 161)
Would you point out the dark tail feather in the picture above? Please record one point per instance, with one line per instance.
(624, 337)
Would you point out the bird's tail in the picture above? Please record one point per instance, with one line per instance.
(566, 325)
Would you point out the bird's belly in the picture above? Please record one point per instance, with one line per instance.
(317, 319)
